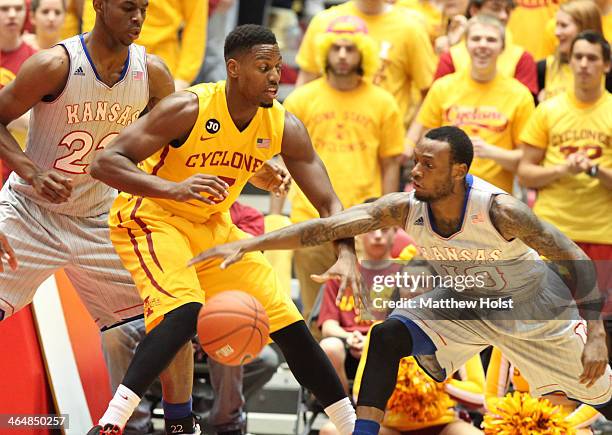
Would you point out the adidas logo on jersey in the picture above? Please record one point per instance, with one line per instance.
(79, 71)
(419, 221)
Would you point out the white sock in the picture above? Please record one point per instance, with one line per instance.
(342, 415)
(121, 407)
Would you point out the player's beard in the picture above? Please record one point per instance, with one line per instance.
(266, 105)
(440, 192)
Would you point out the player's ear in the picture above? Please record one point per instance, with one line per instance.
(97, 5)
(233, 68)
(459, 171)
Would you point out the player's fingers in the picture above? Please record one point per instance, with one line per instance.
(7, 252)
(200, 197)
(59, 189)
(212, 188)
(343, 283)
(231, 260)
(321, 278)
(202, 256)
(51, 195)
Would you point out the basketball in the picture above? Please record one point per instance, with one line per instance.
(233, 328)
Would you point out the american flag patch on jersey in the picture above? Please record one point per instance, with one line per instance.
(263, 143)
(138, 75)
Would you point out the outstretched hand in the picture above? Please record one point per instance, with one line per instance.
(230, 253)
(346, 272)
(7, 254)
(272, 177)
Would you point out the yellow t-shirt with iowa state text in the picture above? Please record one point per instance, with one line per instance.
(578, 205)
(216, 147)
(351, 131)
(495, 111)
(406, 55)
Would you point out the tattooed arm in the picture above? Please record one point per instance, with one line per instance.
(388, 211)
(513, 219)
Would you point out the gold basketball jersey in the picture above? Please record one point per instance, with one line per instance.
(216, 147)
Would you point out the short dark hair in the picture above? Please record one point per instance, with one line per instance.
(244, 37)
(594, 38)
(461, 147)
(478, 4)
(35, 4)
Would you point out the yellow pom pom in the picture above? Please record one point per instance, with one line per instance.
(521, 414)
(408, 253)
(417, 398)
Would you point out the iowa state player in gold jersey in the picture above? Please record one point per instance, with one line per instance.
(180, 168)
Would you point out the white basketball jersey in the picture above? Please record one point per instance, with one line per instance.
(477, 249)
(65, 134)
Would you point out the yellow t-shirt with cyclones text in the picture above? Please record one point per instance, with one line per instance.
(496, 112)
(351, 131)
(216, 147)
(577, 205)
(405, 52)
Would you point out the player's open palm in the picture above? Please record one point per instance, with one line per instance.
(272, 177)
(594, 359)
(230, 253)
(53, 186)
(209, 189)
(7, 254)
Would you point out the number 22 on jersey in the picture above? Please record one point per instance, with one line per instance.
(80, 144)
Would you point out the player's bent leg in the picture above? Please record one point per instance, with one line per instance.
(152, 357)
(177, 386)
(313, 370)
(390, 341)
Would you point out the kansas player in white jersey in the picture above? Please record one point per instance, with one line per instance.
(469, 228)
(82, 93)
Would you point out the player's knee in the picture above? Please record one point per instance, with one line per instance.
(390, 338)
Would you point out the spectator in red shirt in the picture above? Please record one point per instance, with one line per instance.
(514, 60)
(342, 325)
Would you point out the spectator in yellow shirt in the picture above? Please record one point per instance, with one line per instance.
(356, 129)
(568, 155)
(514, 61)
(554, 73)
(491, 108)
(405, 53)
(160, 35)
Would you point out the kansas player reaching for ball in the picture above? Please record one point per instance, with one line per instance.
(180, 167)
(467, 224)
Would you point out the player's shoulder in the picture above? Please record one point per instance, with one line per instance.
(156, 65)
(51, 63)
